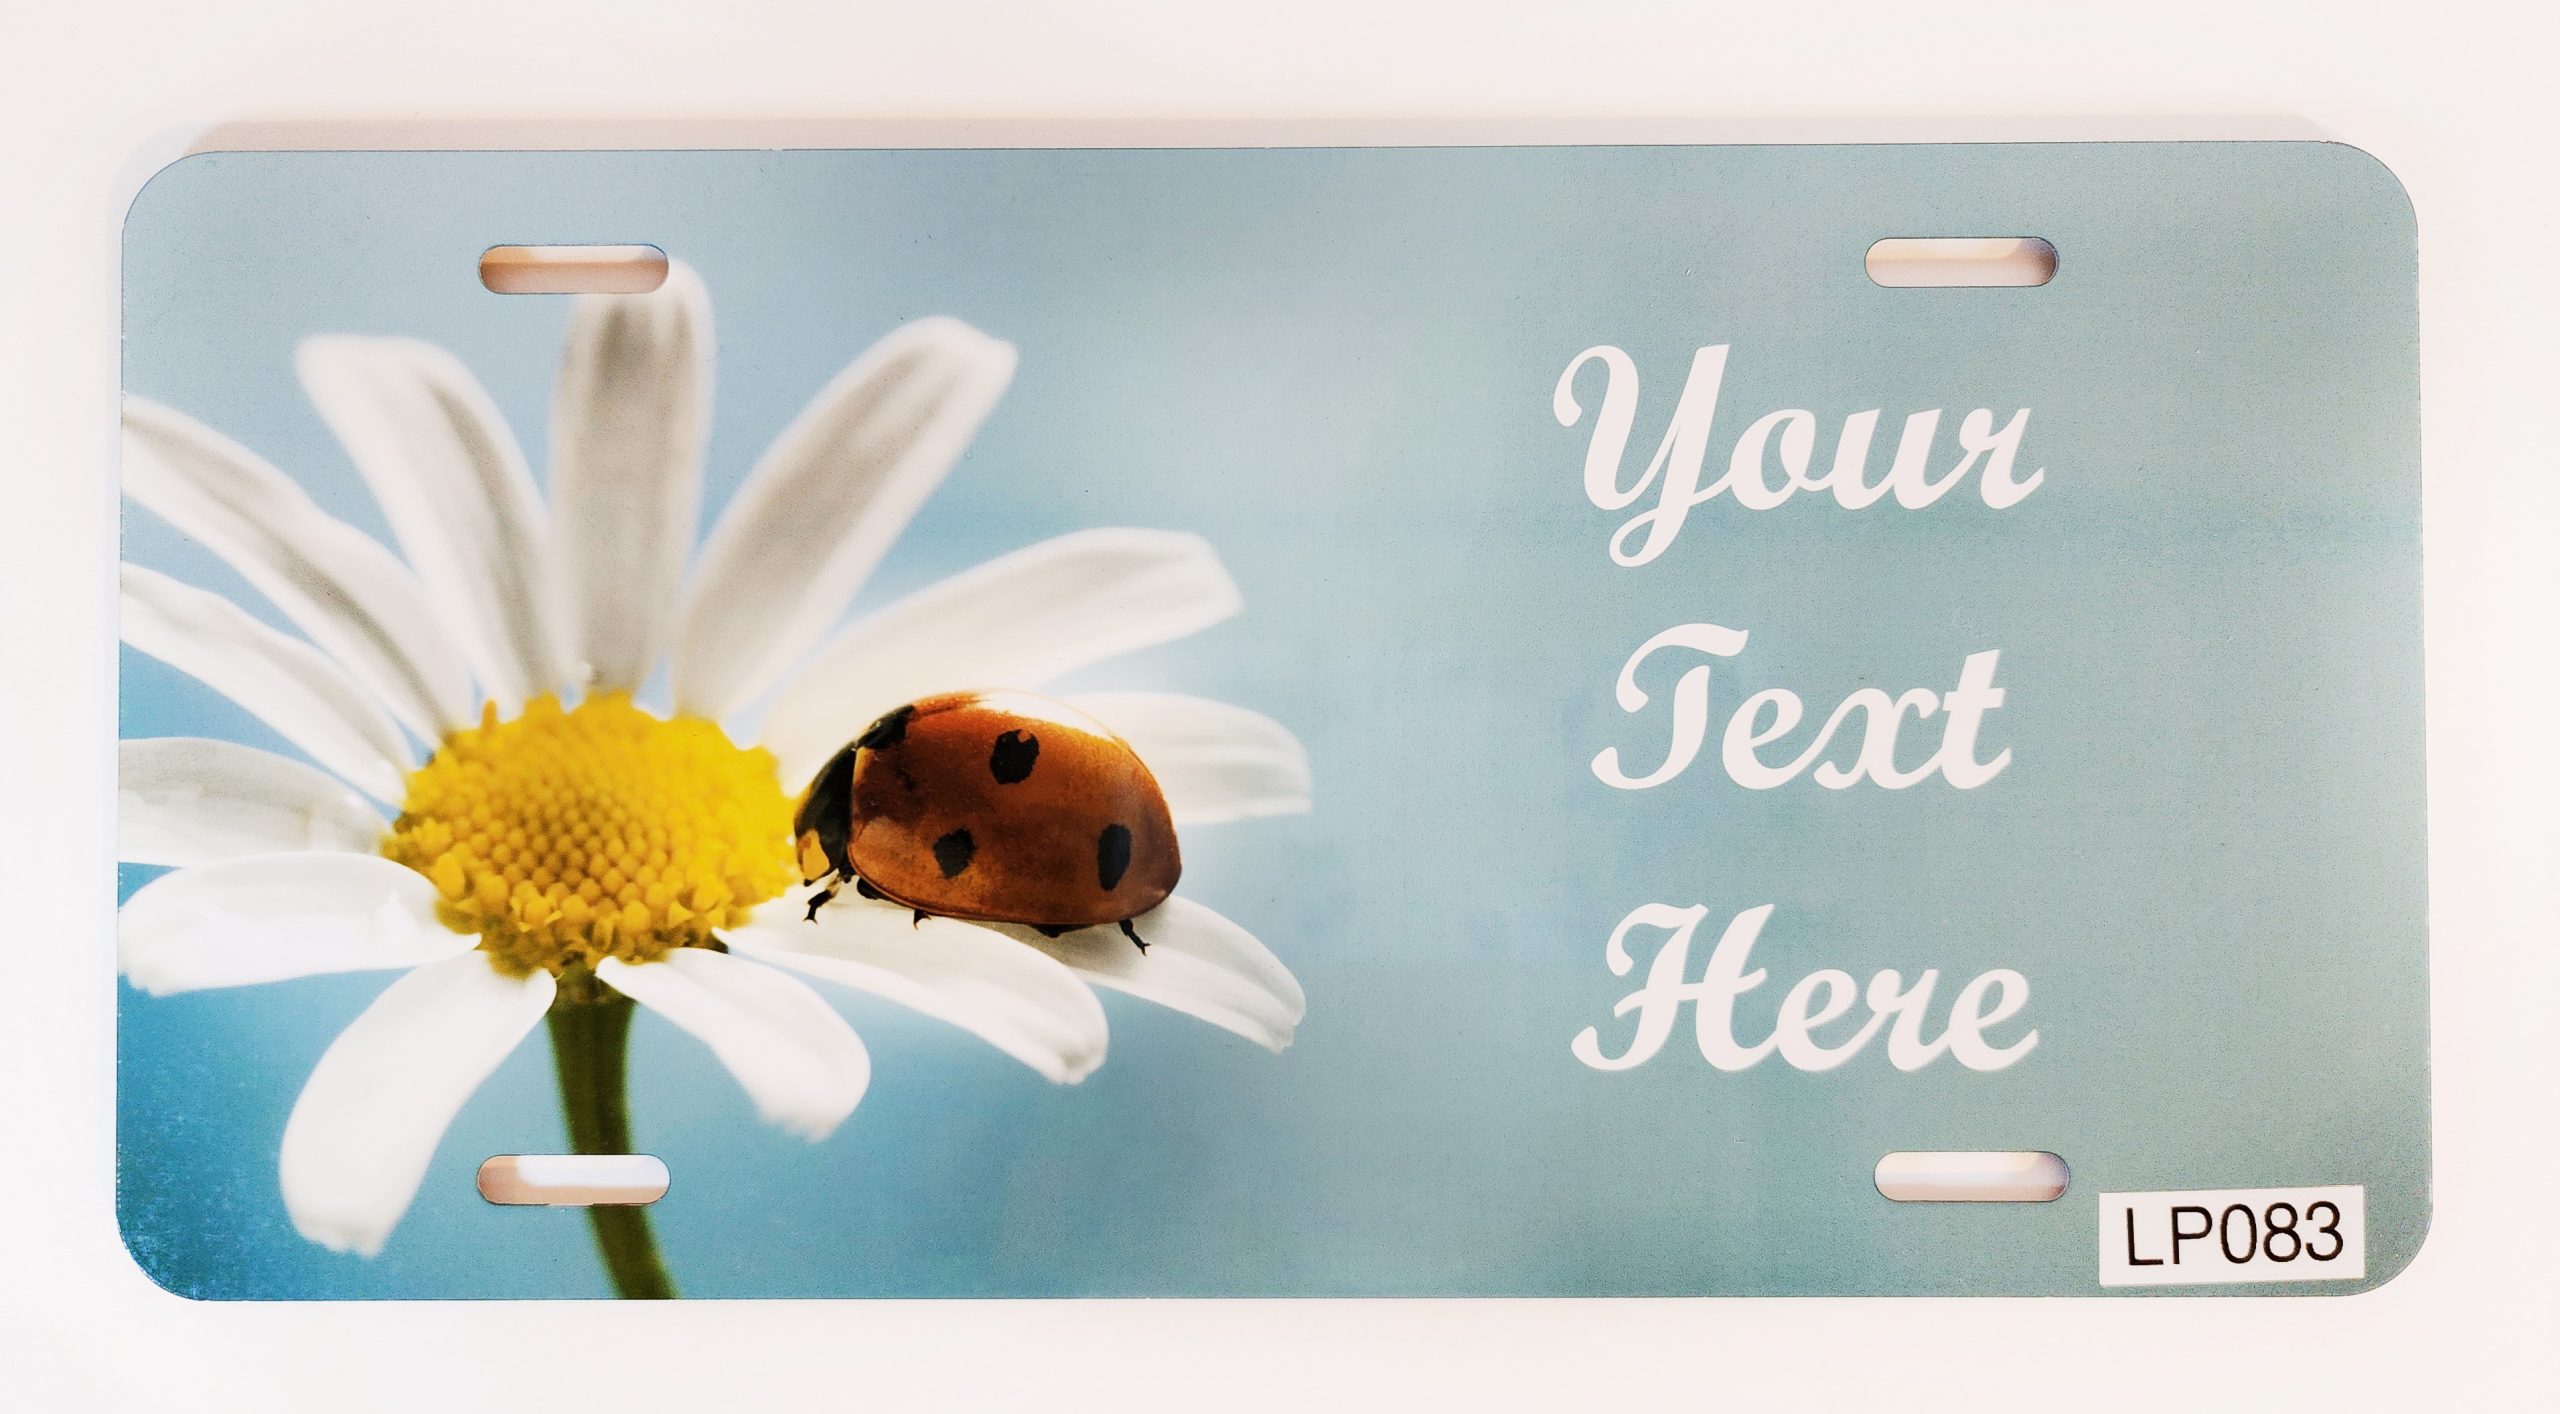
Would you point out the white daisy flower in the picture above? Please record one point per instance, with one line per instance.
(544, 852)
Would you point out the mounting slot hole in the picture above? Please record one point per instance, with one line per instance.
(1972, 1176)
(1939, 262)
(573, 269)
(573, 1180)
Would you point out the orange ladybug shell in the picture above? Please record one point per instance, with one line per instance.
(998, 806)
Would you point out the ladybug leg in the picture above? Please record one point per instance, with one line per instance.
(819, 900)
(827, 895)
(1132, 935)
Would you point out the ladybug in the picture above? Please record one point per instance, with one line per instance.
(1000, 807)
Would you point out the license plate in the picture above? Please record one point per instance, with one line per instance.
(1407, 721)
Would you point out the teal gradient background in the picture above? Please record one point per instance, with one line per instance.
(2208, 855)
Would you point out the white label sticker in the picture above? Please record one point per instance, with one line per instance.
(2214, 1235)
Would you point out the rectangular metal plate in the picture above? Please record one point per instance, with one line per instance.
(1591, 974)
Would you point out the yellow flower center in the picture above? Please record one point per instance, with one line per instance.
(564, 837)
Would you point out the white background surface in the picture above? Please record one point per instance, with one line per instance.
(2460, 98)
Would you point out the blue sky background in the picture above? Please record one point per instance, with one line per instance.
(2208, 855)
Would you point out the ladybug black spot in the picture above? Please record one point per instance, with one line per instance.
(1111, 853)
(953, 852)
(1015, 754)
(888, 731)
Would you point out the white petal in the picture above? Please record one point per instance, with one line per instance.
(456, 490)
(284, 682)
(353, 597)
(269, 917)
(1215, 762)
(628, 419)
(379, 1101)
(823, 504)
(192, 800)
(1015, 999)
(799, 1062)
(1196, 962)
(1015, 621)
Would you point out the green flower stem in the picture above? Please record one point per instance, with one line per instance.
(589, 1042)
